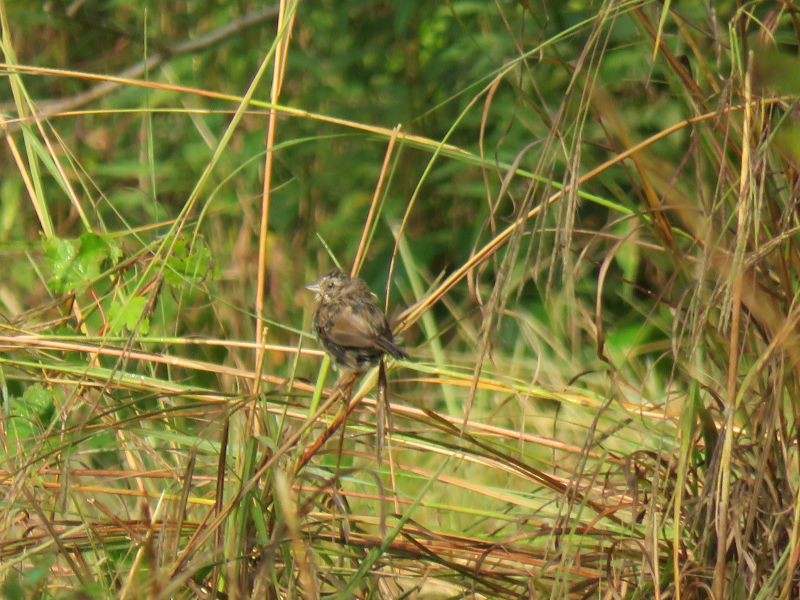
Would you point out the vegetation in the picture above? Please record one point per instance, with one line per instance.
(583, 220)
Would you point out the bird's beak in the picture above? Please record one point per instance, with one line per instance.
(313, 287)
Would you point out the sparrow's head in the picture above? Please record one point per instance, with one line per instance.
(329, 286)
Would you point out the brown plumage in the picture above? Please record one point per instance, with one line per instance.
(349, 324)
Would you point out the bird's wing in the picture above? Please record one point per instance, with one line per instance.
(353, 329)
(364, 328)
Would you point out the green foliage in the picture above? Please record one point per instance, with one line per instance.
(128, 314)
(189, 262)
(30, 415)
(13, 588)
(74, 265)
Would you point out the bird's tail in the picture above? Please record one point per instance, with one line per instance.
(393, 349)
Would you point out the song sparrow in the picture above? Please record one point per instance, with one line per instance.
(349, 324)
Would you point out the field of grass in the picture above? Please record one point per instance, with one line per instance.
(583, 223)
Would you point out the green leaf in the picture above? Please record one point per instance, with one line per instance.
(74, 265)
(12, 587)
(59, 254)
(39, 572)
(36, 401)
(129, 315)
(10, 205)
(31, 413)
(188, 263)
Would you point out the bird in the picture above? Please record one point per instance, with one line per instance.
(349, 324)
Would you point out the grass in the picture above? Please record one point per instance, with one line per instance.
(584, 230)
